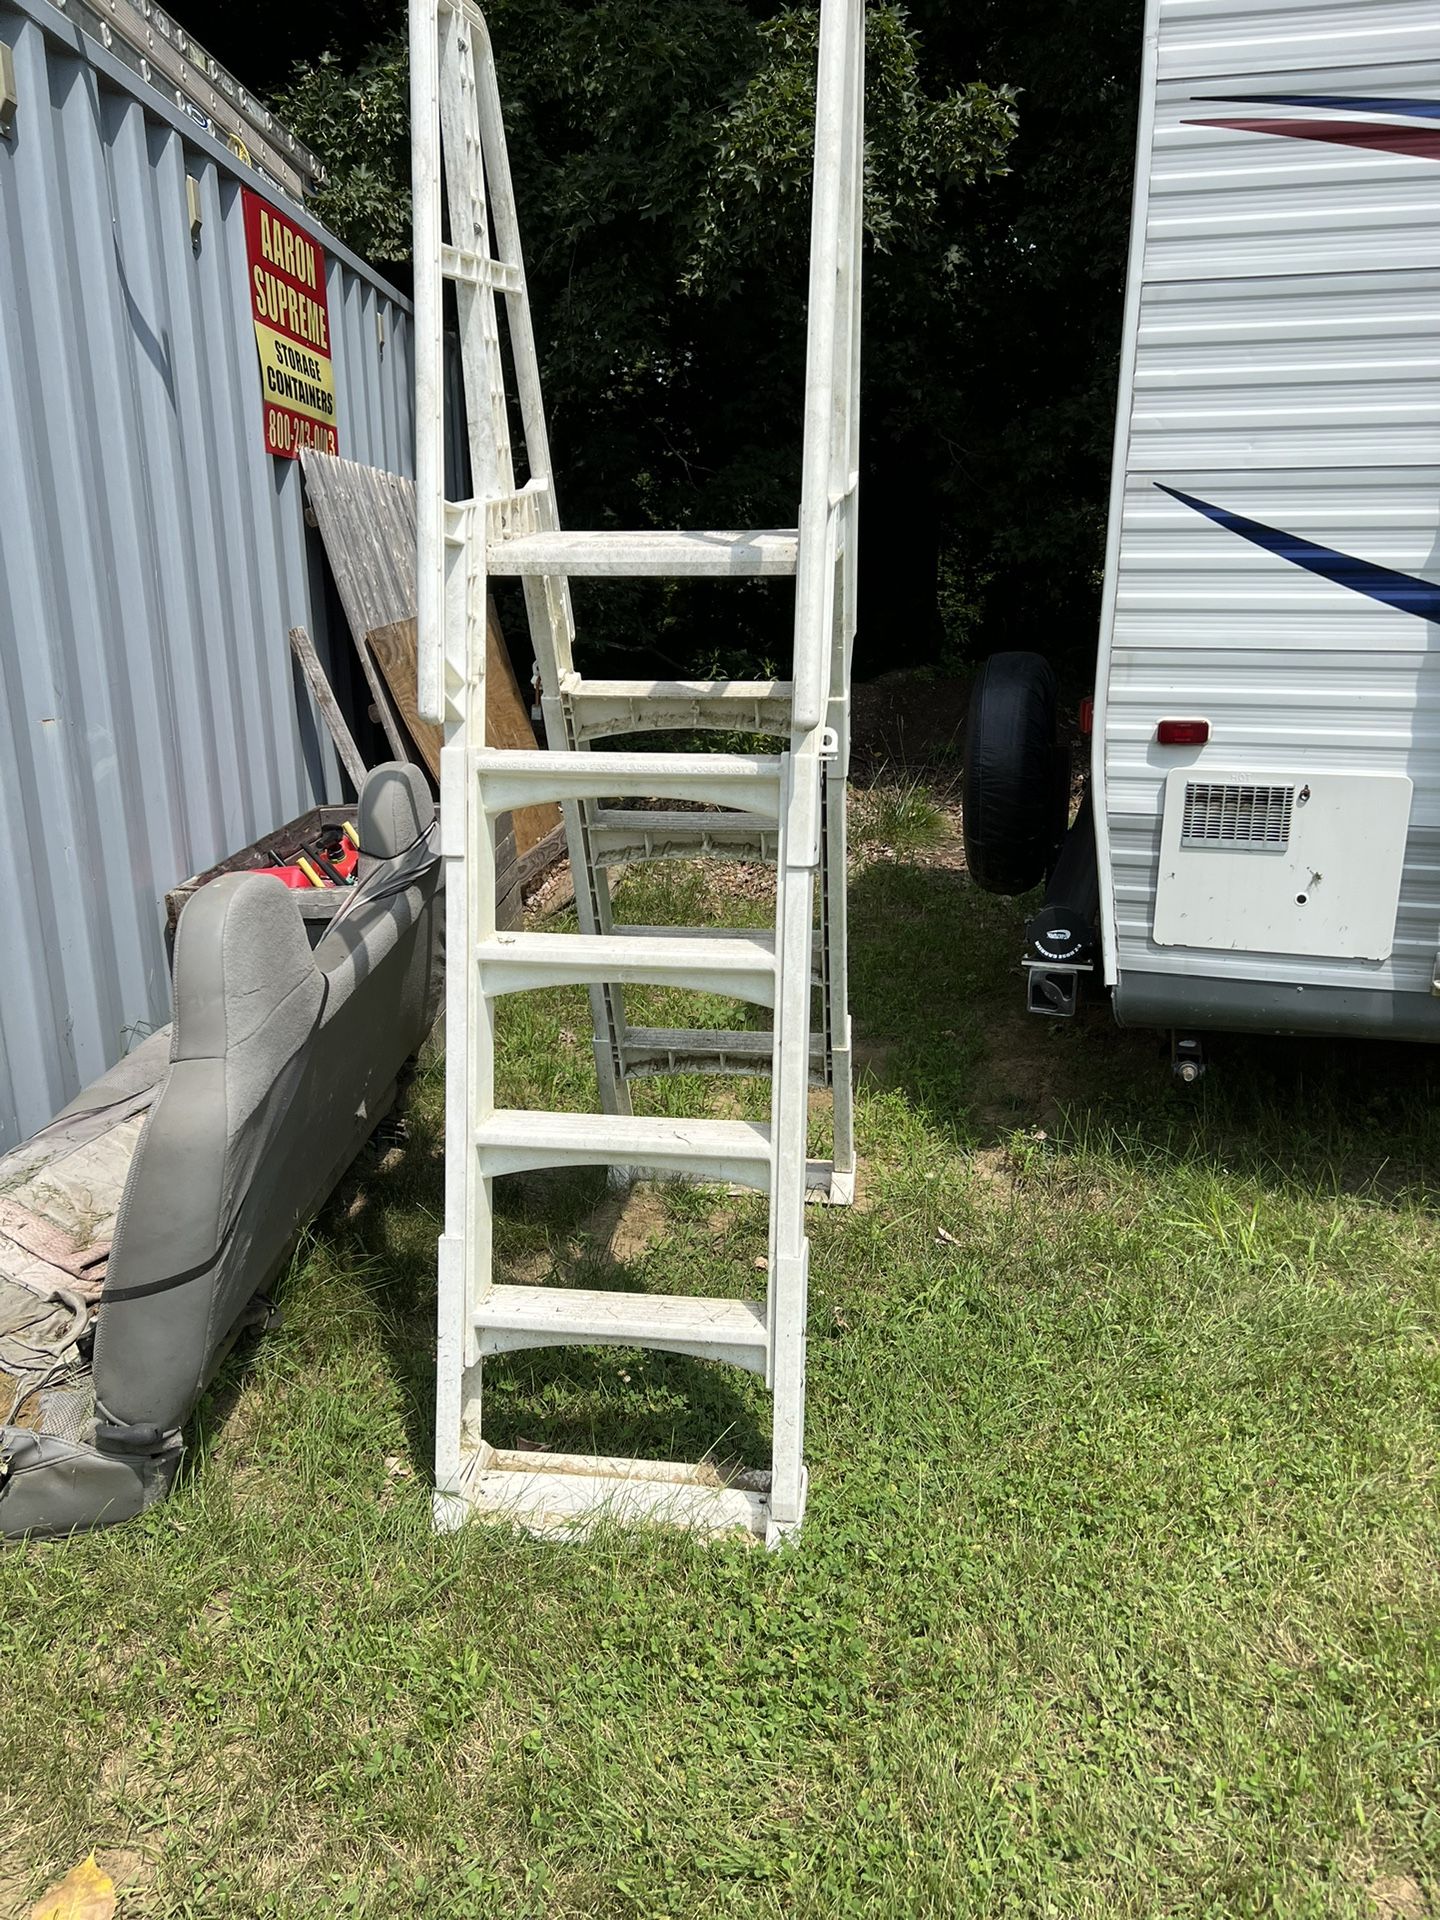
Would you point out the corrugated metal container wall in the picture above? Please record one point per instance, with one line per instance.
(153, 556)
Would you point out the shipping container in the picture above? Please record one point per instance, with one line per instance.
(153, 552)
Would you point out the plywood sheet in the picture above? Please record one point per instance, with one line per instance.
(507, 714)
(508, 725)
(393, 649)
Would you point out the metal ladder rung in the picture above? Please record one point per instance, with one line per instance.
(651, 1051)
(602, 708)
(510, 780)
(679, 553)
(626, 836)
(741, 964)
(511, 1318)
(565, 1496)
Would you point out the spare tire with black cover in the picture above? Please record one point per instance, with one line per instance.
(1015, 788)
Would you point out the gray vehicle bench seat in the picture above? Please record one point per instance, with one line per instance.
(139, 1229)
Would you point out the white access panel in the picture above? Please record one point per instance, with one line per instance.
(1282, 862)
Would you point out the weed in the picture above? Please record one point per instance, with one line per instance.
(896, 815)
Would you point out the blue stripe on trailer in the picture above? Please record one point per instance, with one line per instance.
(1404, 591)
(1336, 102)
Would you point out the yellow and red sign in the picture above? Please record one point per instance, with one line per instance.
(292, 331)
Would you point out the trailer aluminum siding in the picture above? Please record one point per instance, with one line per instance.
(1276, 491)
(152, 555)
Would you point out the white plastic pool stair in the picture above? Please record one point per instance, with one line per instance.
(786, 807)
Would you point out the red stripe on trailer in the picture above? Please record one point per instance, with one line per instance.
(1418, 143)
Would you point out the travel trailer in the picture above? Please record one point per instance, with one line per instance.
(1259, 843)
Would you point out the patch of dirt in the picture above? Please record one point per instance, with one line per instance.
(1022, 1061)
(638, 1221)
(742, 879)
(872, 1056)
(29, 1412)
(623, 1227)
(727, 880)
(1396, 1896)
(128, 1868)
(910, 720)
(993, 1168)
(949, 851)
(946, 852)
(215, 1617)
(531, 1268)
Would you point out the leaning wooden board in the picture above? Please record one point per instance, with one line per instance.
(323, 694)
(393, 650)
(507, 719)
(366, 520)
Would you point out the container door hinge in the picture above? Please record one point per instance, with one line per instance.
(9, 98)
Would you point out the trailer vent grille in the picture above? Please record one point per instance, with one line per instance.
(1218, 815)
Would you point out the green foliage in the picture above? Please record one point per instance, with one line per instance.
(661, 154)
(916, 147)
(358, 120)
(1024, 500)
(661, 151)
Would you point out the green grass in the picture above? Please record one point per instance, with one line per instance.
(896, 814)
(1117, 1595)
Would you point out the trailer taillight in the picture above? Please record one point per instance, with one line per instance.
(1183, 733)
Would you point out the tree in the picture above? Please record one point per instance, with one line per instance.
(661, 152)
(357, 121)
(1026, 495)
(262, 41)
